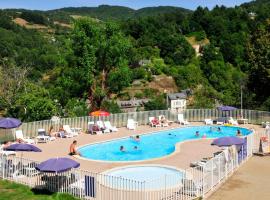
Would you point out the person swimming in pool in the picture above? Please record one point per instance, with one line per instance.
(136, 138)
(122, 149)
(219, 129)
(238, 133)
(135, 148)
(197, 134)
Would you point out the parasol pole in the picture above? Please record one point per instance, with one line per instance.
(241, 101)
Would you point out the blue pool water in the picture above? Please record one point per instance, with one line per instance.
(153, 145)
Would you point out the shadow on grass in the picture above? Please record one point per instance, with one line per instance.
(38, 191)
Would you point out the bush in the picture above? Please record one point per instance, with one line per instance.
(158, 103)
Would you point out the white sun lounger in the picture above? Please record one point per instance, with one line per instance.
(100, 124)
(181, 119)
(108, 125)
(131, 124)
(19, 135)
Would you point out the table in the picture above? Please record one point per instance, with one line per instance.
(242, 121)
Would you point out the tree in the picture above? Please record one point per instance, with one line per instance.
(99, 48)
(12, 83)
(259, 58)
(34, 104)
(158, 103)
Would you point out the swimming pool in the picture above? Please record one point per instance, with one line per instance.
(154, 145)
(153, 177)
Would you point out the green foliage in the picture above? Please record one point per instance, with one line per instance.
(34, 104)
(157, 103)
(111, 107)
(43, 73)
(34, 17)
(119, 79)
(14, 191)
(189, 76)
(76, 108)
(259, 56)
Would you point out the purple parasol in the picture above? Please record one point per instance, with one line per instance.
(8, 123)
(226, 108)
(228, 141)
(22, 147)
(55, 165)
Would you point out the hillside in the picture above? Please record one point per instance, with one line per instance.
(105, 12)
(92, 63)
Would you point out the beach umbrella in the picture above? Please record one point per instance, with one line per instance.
(23, 147)
(99, 113)
(56, 165)
(8, 123)
(228, 141)
(226, 108)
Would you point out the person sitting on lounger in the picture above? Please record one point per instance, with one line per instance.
(52, 132)
(72, 149)
(61, 131)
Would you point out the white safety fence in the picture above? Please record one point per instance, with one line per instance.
(193, 183)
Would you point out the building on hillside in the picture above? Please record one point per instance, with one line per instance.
(132, 105)
(178, 101)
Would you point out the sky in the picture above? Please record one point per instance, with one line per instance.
(136, 4)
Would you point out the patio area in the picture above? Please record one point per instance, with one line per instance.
(190, 151)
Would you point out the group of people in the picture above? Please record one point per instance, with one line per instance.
(135, 139)
(197, 133)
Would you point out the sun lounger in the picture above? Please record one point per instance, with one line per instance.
(208, 121)
(69, 132)
(43, 136)
(108, 125)
(232, 121)
(93, 129)
(6, 153)
(163, 121)
(181, 119)
(19, 135)
(101, 125)
(131, 124)
(154, 122)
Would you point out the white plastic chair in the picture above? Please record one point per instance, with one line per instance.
(181, 119)
(108, 125)
(232, 121)
(42, 137)
(131, 124)
(19, 135)
(208, 121)
(6, 153)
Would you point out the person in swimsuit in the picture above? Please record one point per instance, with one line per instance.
(72, 149)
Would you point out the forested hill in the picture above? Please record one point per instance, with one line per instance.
(71, 69)
(105, 12)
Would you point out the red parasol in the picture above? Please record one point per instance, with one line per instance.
(99, 113)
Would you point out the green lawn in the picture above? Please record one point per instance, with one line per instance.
(14, 191)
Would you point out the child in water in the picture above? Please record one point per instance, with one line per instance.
(122, 149)
(197, 134)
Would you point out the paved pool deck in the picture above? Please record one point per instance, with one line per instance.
(250, 182)
(188, 151)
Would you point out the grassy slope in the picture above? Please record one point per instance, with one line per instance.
(14, 191)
